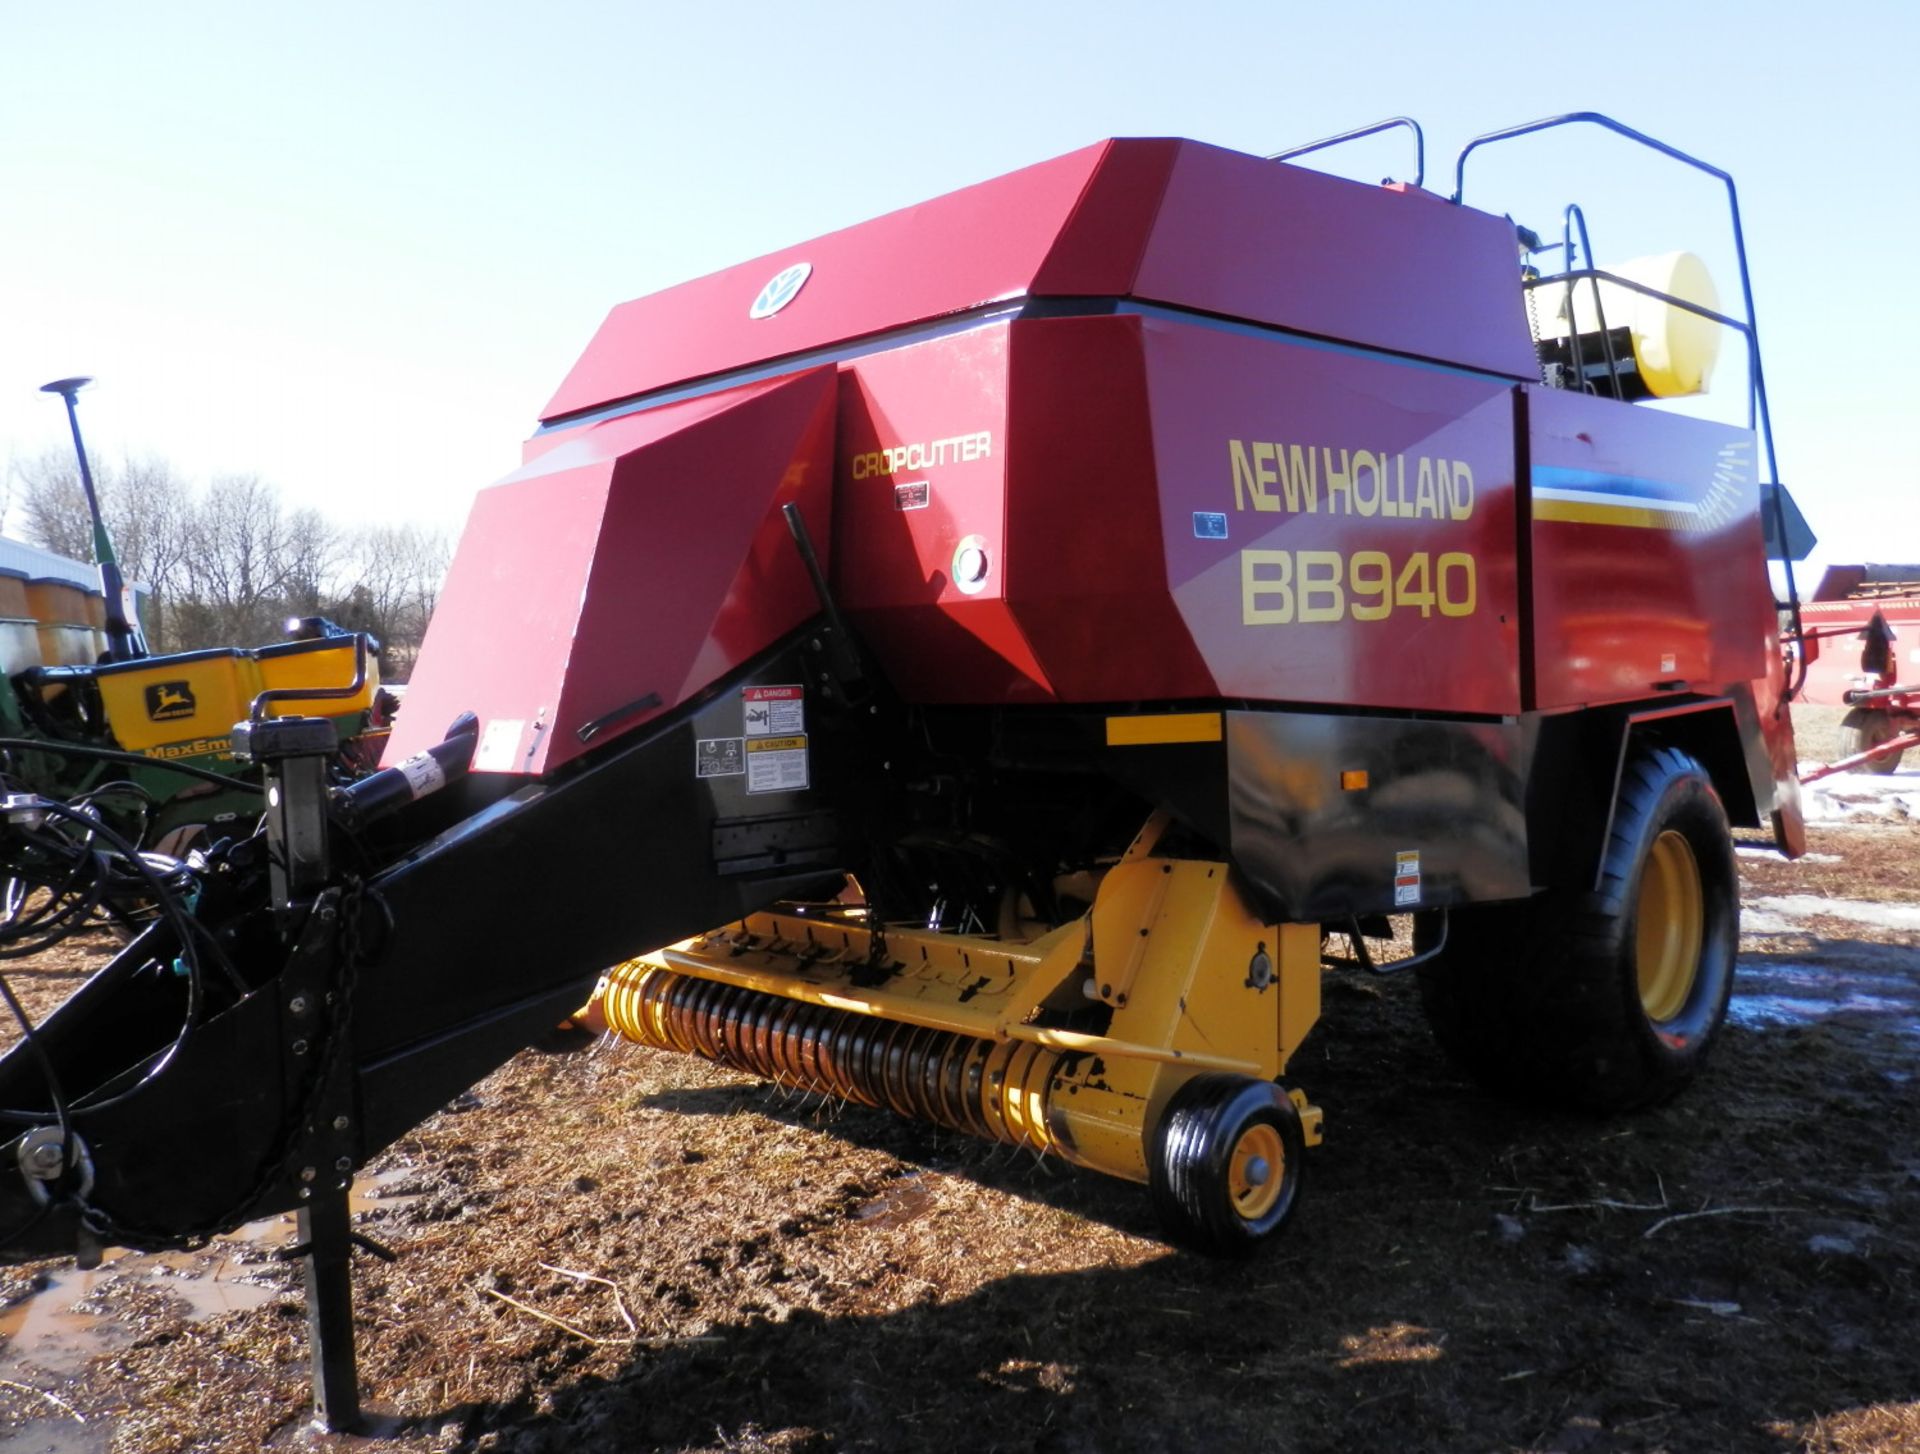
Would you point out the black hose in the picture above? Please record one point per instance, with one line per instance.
(178, 921)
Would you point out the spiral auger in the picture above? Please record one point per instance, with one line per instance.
(1143, 1040)
(995, 1090)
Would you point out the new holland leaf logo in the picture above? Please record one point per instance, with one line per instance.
(781, 289)
(169, 700)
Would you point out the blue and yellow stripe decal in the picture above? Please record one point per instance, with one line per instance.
(1590, 497)
(1597, 497)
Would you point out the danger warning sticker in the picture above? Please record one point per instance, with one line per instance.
(718, 757)
(774, 711)
(776, 764)
(1406, 879)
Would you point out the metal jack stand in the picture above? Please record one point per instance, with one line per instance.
(315, 995)
(326, 1233)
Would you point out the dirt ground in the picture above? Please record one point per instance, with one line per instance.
(612, 1248)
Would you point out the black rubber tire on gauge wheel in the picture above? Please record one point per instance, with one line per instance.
(1224, 1163)
(1865, 728)
(1604, 997)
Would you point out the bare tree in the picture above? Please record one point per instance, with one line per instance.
(253, 562)
(396, 571)
(148, 510)
(54, 507)
(228, 564)
(151, 519)
(312, 556)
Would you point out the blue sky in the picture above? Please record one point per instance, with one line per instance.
(354, 247)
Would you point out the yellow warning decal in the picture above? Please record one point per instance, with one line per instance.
(776, 744)
(1163, 727)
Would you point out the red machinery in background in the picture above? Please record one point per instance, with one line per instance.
(1877, 606)
(986, 663)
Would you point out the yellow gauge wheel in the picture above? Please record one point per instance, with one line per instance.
(1223, 1163)
(1670, 924)
(1257, 1170)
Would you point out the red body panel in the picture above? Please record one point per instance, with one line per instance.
(1647, 553)
(1089, 572)
(645, 555)
(1247, 238)
(1108, 437)
(920, 466)
(944, 256)
(1297, 603)
(1171, 222)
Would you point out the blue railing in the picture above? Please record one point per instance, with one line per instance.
(1390, 124)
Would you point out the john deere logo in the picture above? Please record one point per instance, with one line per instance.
(781, 289)
(168, 700)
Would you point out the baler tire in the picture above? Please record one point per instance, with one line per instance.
(1862, 730)
(1604, 998)
(1213, 1129)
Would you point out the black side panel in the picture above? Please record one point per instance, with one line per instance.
(1452, 793)
(1308, 848)
(505, 920)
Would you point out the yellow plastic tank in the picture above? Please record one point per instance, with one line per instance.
(1673, 349)
(19, 644)
(178, 699)
(66, 630)
(326, 663)
(197, 696)
(19, 630)
(13, 597)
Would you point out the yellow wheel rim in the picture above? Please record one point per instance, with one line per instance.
(1257, 1170)
(1670, 925)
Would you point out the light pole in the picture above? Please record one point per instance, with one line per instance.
(123, 639)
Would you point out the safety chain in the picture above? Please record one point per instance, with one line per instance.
(280, 1164)
(1547, 373)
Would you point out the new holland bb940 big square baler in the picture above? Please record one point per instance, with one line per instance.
(985, 663)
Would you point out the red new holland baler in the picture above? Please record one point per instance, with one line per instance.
(985, 663)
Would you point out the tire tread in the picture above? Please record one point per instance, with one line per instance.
(1534, 1000)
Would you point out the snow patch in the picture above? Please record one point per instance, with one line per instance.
(1806, 906)
(1771, 994)
(1856, 797)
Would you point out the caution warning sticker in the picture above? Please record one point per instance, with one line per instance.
(774, 711)
(776, 764)
(1406, 879)
(718, 757)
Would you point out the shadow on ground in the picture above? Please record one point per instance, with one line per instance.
(1461, 1276)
